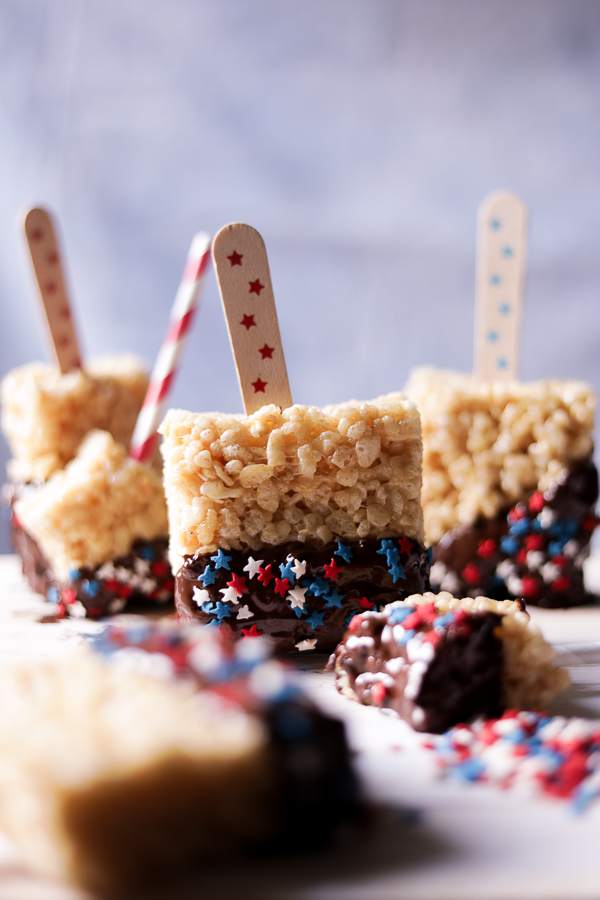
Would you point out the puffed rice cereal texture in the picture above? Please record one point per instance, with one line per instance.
(530, 676)
(109, 778)
(488, 445)
(94, 509)
(46, 415)
(346, 472)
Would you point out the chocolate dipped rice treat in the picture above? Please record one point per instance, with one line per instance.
(95, 533)
(509, 485)
(170, 747)
(438, 661)
(288, 523)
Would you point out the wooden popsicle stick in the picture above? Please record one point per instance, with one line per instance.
(45, 256)
(501, 254)
(245, 284)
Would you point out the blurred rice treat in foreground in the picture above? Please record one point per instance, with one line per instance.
(509, 486)
(438, 661)
(288, 523)
(171, 747)
(99, 529)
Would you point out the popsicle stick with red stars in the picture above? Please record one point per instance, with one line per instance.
(501, 251)
(245, 284)
(45, 256)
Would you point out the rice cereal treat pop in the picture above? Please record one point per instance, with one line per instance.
(438, 661)
(509, 486)
(290, 519)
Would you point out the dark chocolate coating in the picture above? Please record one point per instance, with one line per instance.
(365, 578)
(572, 499)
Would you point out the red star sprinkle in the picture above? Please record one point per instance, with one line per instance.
(559, 560)
(281, 586)
(405, 545)
(332, 571)
(255, 287)
(50, 288)
(259, 386)
(266, 352)
(160, 568)
(248, 322)
(238, 584)
(265, 575)
(69, 596)
(561, 584)
(530, 586)
(236, 258)
(537, 502)
(365, 603)
(534, 542)
(36, 235)
(471, 573)
(521, 557)
(486, 548)
(516, 513)
(589, 523)
(251, 632)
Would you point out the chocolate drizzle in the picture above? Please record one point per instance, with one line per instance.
(365, 575)
(534, 550)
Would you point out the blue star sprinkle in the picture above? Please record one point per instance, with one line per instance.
(74, 574)
(221, 561)
(147, 552)
(91, 588)
(504, 309)
(317, 586)
(391, 553)
(492, 337)
(507, 251)
(208, 607)
(521, 526)
(495, 279)
(299, 611)
(207, 577)
(495, 224)
(315, 619)
(397, 571)
(344, 551)
(509, 545)
(555, 548)
(333, 599)
(222, 611)
(52, 595)
(286, 571)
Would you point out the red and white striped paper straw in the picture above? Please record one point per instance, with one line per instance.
(145, 437)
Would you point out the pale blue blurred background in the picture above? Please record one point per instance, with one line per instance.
(358, 136)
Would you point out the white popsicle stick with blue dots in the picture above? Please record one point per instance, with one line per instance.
(501, 250)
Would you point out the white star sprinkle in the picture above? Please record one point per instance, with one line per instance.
(244, 613)
(299, 568)
(253, 566)
(296, 596)
(230, 595)
(201, 596)
(106, 571)
(307, 645)
(141, 566)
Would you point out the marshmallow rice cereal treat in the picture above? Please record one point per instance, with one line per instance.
(100, 526)
(438, 661)
(128, 768)
(288, 523)
(46, 415)
(509, 486)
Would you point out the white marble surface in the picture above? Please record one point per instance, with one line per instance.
(468, 842)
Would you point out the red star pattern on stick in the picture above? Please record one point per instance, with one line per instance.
(36, 235)
(259, 386)
(266, 352)
(248, 322)
(238, 584)
(265, 575)
(405, 545)
(256, 287)
(236, 258)
(332, 570)
(251, 632)
(50, 287)
(52, 258)
(65, 312)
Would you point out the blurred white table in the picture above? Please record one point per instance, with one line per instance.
(465, 842)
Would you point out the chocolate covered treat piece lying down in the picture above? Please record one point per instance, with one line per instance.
(509, 486)
(288, 523)
(438, 661)
(172, 747)
(94, 535)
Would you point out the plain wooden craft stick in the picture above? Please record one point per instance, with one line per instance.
(501, 253)
(245, 284)
(45, 256)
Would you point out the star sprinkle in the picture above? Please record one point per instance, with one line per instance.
(332, 570)
(230, 595)
(236, 258)
(388, 550)
(259, 386)
(238, 584)
(297, 598)
(256, 287)
(253, 567)
(281, 586)
(315, 619)
(251, 632)
(317, 586)
(344, 551)
(266, 352)
(287, 571)
(221, 561)
(397, 571)
(208, 608)
(222, 611)
(333, 599)
(207, 577)
(307, 644)
(248, 322)
(265, 575)
(405, 545)
(299, 567)
(366, 603)
(201, 596)
(244, 613)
